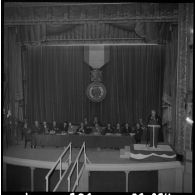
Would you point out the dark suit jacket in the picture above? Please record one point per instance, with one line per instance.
(81, 130)
(36, 129)
(44, 130)
(111, 130)
(65, 128)
(117, 130)
(51, 127)
(126, 130)
(157, 118)
(159, 122)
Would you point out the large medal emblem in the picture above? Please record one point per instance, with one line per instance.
(96, 91)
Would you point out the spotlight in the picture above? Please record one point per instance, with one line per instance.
(189, 120)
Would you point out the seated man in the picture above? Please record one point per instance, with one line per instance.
(133, 129)
(71, 129)
(126, 129)
(65, 127)
(109, 129)
(144, 128)
(138, 133)
(118, 129)
(85, 121)
(36, 127)
(96, 120)
(141, 123)
(54, 126)
(96, 129)
(87, 127)
(45, 128)
(81, 129)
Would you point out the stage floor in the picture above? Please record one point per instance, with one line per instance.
(51, 154)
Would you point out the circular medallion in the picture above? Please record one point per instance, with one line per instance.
(96, 92)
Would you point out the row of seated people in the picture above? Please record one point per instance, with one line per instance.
(82, 128)
(94, 127)
(86, 128)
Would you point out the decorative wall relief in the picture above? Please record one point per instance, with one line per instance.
(96, 56)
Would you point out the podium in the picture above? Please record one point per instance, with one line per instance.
(153, 126)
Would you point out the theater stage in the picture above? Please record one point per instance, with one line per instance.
(51, 154)
(101, 161)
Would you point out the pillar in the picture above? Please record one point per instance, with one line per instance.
(127, 180)
(4, 177)
(32, 178)
(184, 27)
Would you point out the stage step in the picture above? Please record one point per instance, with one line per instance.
(63, 187)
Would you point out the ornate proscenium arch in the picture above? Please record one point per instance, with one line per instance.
(32, 18)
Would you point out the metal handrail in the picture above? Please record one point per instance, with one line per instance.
(59, 161)
(76, 165)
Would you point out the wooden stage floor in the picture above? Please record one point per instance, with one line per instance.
(51, 154)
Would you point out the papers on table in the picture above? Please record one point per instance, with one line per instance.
(108, 134)
(132, 134)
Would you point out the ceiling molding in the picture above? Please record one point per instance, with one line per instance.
(114, 21)
(40, 4)
(32, 13)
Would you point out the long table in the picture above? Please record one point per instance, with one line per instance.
(91, 141)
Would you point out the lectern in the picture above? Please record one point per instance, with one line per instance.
(153, 130)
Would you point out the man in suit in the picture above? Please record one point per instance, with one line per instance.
(54, 126)
(153, 119)
(126, 129)
(96, 121)
(36, 129)
(138, 133)
(96, 129)
(65, 127)
(85, 121)
(118, 128)
(45, 127)
(144, 128)
(81, 129)
(109, 129)
(71, 129)
(141, 123)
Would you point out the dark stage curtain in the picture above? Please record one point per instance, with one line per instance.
(57, 78)
(12, 83)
